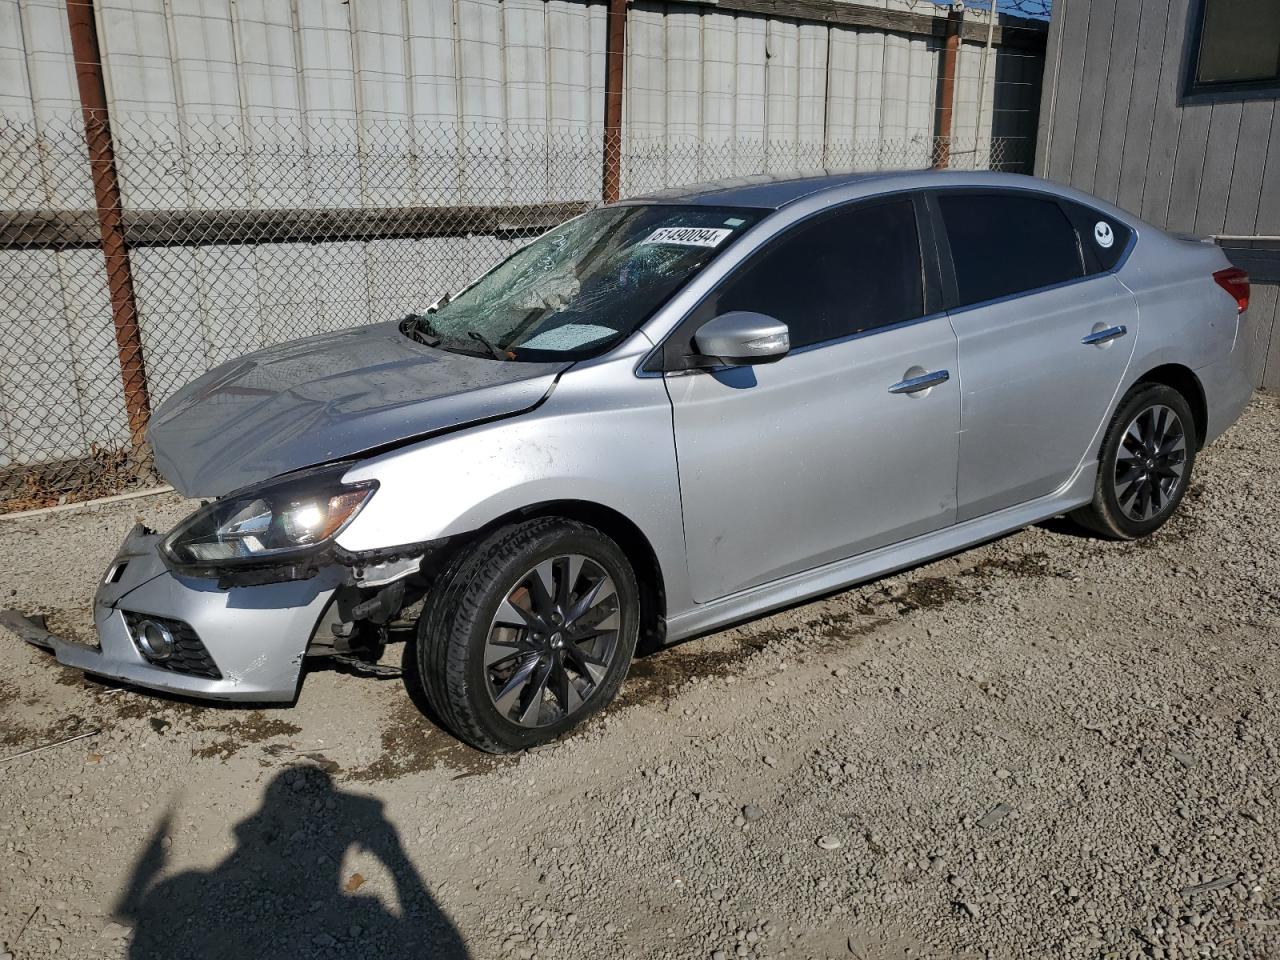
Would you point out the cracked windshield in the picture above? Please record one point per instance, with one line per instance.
(581, 288)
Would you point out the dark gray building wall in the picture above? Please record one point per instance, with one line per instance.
(1112, 123)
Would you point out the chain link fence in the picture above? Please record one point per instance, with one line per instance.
(241, 235)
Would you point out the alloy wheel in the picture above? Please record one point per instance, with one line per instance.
(1150, 462)
(552, 640)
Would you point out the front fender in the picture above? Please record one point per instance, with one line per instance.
(603, 437)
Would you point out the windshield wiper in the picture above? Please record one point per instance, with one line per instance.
(418, 327)
(484, 341)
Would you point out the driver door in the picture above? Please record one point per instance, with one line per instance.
(846, 444)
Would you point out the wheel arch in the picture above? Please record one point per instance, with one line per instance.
(1183, 379)
(618, 527)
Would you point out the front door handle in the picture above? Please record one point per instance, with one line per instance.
(922, 382)
(1105, 336)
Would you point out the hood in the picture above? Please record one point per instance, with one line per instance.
(326, 398)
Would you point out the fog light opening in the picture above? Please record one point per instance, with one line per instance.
(154, 640)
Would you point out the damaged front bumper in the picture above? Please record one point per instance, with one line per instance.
(242, 643)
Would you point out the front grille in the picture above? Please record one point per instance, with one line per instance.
(189, 653)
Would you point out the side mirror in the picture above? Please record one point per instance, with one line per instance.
(742, 338)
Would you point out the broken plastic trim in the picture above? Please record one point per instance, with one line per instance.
(329, 555)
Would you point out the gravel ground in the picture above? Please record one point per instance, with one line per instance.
(1048, 746)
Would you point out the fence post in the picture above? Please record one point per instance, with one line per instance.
(947, 92)
(106, 189)
(615, 63)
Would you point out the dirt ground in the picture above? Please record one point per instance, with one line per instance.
(1047, 746)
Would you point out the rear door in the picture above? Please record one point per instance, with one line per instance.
(826, 453)
(1045, 331)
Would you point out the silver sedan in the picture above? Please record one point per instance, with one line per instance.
(664, 416)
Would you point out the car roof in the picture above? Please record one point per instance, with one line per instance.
(774, 191)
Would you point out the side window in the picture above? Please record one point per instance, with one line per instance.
(839, 274)
(1004, 243)
(1103, 238)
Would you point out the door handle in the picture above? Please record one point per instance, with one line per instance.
(922, 382)
(1105, 336)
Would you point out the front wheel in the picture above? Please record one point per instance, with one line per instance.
(529, 634)
(1145, 467)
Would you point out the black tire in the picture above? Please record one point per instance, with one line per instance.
(1138, 497)
(458, 626)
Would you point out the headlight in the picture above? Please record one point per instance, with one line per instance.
(279, 521)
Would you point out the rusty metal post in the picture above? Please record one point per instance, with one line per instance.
(614, 66)
(106, 189)
(947, 93)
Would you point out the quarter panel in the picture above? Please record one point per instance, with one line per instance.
(1187, 317)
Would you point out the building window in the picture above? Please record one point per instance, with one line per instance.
(1235, 47)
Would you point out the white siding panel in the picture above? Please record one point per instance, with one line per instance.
(288, 290)
(382, 98)
(227, 277)
(37, 378)
(811, 95)
(269, 69)
(139, 75)
(526, 56)
(16, 99)
(170, 315)
(328, 71)
(434, 86)
(719, 95)
(574, 130)
(922, 88)
(208, 94)
(396, 279)
(271, 94)
(136, 57)
(86, 307)
(40, 33)
(644, 103)
(343, 281)
(684, 90)
(842, 82)
(329, 86)
(483, 107)
(782, 91)
(204, 56)
(895, 110)
(868, 101)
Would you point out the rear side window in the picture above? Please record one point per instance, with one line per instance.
(840, 274)
(1103, 238)
(1004, 244)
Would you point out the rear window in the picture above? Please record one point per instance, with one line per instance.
(1005, 244)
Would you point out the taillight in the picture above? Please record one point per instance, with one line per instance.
(1236, 282)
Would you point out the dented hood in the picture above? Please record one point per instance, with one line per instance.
(325, 398)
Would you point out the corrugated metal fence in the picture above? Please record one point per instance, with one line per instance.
(292, 168)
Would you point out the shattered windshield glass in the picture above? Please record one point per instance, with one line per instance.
(581, 288)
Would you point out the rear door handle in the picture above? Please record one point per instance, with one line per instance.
(922, 382)
(1105, 336)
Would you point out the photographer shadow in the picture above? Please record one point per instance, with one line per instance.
(281, 892)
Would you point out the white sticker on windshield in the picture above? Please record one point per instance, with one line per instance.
(689, 236)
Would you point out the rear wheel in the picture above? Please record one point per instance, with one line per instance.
(529, 634)
(1145, 467)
